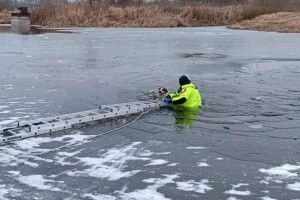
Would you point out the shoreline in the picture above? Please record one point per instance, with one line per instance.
(281, 22)
(153, 16)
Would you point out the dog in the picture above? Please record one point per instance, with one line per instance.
(159, 94)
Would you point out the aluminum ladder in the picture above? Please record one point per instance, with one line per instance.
(25, 129)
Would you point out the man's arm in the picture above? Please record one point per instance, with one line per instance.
(179, 101)
(176, 98)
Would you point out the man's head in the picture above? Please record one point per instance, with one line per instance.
(184, 80)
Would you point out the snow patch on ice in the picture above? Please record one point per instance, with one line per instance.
(157, 162)
(4, 190)
(192, 186)
(194, 147)
(111, 164)
(267, 198)
(150, 192)
(162, 153)
(232, 198)
(203, 164)
(100, 197)
(294, 186)
(172, 164)
(38, 181)
(283, 171)
(256, 126)
(233, 190)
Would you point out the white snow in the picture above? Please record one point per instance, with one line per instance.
(194, 147)
(100, 197)
(233, 191)
(150, 192)
(199, 187)
(37, 181)
(232, 198)
(267, 198)
(1, 107)
(6, 122)
(162, 153)
(172, 164)
(256, 126)
(4, 190)
(284, 171)
(111, 164)
(294, 186)
(203, 164)
(219, 158)
(157, 162)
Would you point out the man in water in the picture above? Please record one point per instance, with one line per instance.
(187, 96)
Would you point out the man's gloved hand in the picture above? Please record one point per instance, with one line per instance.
(167, 100)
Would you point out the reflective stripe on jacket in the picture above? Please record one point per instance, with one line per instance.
(189, 96)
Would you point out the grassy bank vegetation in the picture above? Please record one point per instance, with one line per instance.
(4, 17)
(155, 14)
(277, 22)
(162, 13)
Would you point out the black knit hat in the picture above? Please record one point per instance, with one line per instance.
(184, 80)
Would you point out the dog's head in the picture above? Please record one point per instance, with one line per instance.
(162, 92)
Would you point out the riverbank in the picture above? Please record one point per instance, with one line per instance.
(4, 17)
(99, 15)
(286, 22)
(240, 16)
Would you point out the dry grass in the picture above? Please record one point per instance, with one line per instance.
(98, 15)
(4, 17)
(277, 22)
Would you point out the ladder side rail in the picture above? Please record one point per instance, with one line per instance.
(32, 134)
(58, 117)
(35, 128)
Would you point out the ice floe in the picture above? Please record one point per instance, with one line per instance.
(234, 191)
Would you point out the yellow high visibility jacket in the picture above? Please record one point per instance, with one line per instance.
(188, 96)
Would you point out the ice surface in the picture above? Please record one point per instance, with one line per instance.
(195, 147)
(157, 162)
(250, 118)
(198, 187)
(150, 192)
(284, 171)
(234, 190)
(38, 181)
(294, 186)
(203, 164)
(100, 197)
(267, 198)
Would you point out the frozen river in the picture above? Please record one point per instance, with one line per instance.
(245, 143)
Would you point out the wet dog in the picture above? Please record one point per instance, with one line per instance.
(160, 94)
